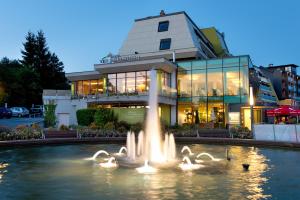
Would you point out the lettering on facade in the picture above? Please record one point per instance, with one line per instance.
(110, 58)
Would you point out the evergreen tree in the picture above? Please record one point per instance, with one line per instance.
(46, 64)
(28, 53)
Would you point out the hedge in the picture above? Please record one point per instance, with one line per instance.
(103, 116)
(85, 116)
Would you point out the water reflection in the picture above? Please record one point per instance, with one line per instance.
(70, 176)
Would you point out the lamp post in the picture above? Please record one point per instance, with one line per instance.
(251, 102)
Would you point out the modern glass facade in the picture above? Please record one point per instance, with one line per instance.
(120, 83)
(206, 88)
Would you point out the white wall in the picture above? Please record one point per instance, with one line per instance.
(280, 133)
(66, 105)
(144, 36)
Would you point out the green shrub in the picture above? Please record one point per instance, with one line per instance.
(109, 126)
(122, 129)
(93, 126)
(63, 128)
(85, 116)
(241, 132)
(50, 118)
(5, 129)
(123, 124)
(103, 116)
(21, 133)
(136, 128)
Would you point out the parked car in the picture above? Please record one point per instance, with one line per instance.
(37, 110)
(19, 112)
(5, 112)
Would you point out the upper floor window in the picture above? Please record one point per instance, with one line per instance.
(163, 26)
(165, 44)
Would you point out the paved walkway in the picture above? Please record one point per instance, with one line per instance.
(14, 122)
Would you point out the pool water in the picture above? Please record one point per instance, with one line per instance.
(60, 172)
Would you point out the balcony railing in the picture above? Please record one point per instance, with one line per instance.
(171, 93)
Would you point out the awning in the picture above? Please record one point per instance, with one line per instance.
(283, 111)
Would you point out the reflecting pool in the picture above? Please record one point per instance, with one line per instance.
(63, 172)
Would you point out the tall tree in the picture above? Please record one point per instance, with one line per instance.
(46, 64)
(29, 51)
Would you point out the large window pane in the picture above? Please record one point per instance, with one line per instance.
(141, 83)
(121, 85)
(214, 63)
(199, 83)
(111, 86)
(199, 64)
(182, 66)
(231, 62)
(184, 84)
(101, 88)
(214, 82)
(79, 88)
(130, 84)
(231, 81)
(244, 74)
(86, 87)
(94, 86)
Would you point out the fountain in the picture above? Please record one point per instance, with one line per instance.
(97, 154)
(150, 146)
(208, 155)
(146, 169)
(186, 164)
(111, 163)
(120, 153)
(186, 148)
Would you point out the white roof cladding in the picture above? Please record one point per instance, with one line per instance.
(144, 37)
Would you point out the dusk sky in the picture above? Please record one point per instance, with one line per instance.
(82, 32)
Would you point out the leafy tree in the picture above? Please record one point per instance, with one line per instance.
(29, 55)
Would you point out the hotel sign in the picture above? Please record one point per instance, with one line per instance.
(118, 59)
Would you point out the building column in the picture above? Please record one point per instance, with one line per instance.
(173, 115)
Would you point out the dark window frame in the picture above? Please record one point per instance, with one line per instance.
(162, 27)
(161, 47)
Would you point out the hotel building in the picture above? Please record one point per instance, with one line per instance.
(199, 81)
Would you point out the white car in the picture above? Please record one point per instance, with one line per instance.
(19, 111)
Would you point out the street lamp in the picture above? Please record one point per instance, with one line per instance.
(251, 102)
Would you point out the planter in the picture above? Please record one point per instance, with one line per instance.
(60, 134)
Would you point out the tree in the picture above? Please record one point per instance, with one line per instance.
(47, 65)
(29, 52)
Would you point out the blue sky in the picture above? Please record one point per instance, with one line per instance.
(81, 32)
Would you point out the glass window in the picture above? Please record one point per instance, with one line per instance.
(215, 113)
(163, 26)
(165, 44)
(244, 61)
(101, 83)
(111, 85)
(184, 66)
(214, 82)
(121, 85)
(199, 83)
(231, 81)
(86, 87)
(141, 83)
(94, 86)
(130, 74)
(141, 73)
(110, 76)
(214, 63)
(244, 82)
(79, 88)
(120, 75)
(130, 84)
(184, 84)
(200, 64)
(231, 62)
